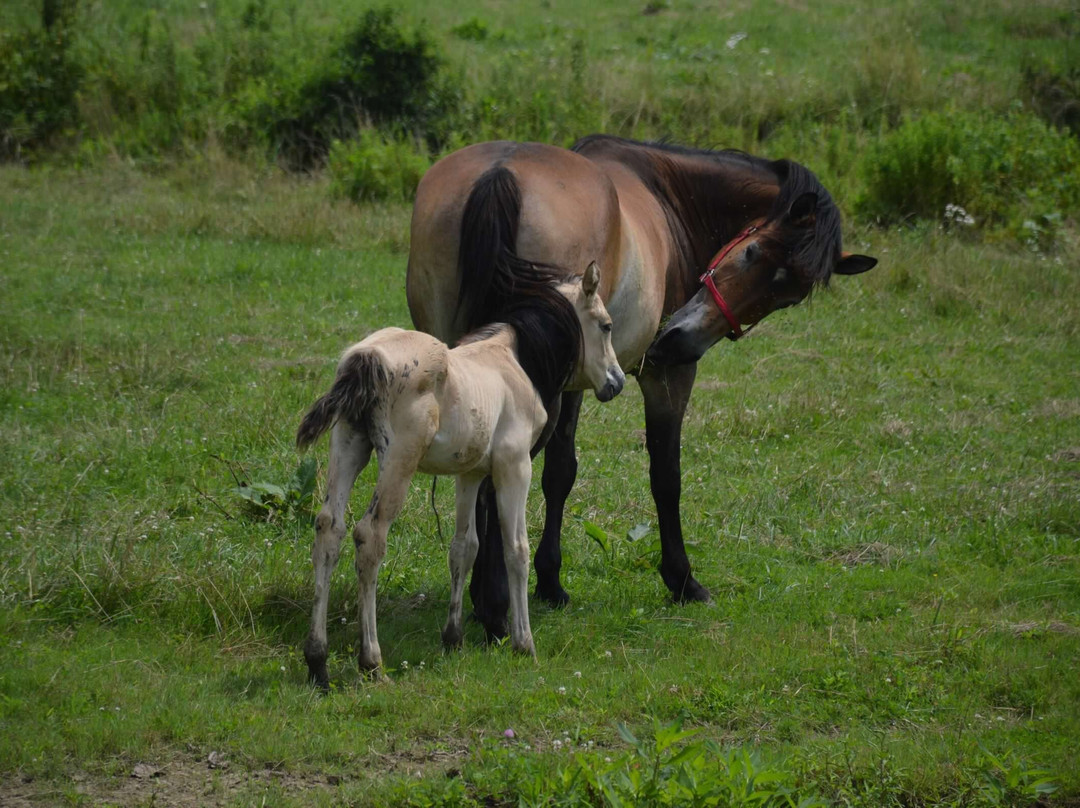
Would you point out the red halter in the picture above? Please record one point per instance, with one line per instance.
(707, 279)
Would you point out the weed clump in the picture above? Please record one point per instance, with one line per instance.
(375, 167)
(1010, 174)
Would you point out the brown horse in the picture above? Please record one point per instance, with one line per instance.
(652, 215)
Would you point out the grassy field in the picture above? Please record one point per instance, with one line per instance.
(881, 486)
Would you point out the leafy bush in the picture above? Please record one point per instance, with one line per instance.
(1010, 173)
(372, 166)
(379, 75)
(39, 81)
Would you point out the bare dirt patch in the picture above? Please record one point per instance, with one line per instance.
(187, 781)
(179, 782)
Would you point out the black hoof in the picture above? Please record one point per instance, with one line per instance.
(496, 630)
(554, 596)
(318, 678)
(692, 592)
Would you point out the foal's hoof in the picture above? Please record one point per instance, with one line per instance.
(553, 595)
(526, 648)
(452, 638)
(692, 592)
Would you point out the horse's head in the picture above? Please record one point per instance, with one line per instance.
(763, 269)
(599, 368)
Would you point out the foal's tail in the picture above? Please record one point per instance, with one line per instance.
(361, 380)
(493, 276)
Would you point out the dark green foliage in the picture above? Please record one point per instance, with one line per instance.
(474, 29)
(1011, 173)
(373, 167)
(39, 80)
(1054, 92)
(380, 75)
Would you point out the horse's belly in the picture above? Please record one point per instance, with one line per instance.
(458, 448)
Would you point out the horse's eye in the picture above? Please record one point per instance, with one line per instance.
(751, 253)
(605, 327)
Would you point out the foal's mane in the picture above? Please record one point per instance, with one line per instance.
(697, 187)
(498, 286)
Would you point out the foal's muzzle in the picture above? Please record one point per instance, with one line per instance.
(613, 386)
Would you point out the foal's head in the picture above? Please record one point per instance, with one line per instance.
(598, 367)
(770, 265)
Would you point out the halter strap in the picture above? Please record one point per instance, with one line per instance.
(707, 279)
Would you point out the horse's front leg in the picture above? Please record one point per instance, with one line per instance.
(560, 472)
(350, 451)
(511, 480)
(667, 392)
(462, 554)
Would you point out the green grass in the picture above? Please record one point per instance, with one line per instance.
(880, 489)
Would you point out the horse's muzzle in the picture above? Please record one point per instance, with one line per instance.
(614, 385)
(675, 346)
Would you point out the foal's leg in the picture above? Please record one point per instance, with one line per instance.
(462, 553)
(397, 464)
(667, 392)
(560, 471)
(350, 451)
(511, 482)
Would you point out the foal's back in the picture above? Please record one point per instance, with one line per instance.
(474, 400)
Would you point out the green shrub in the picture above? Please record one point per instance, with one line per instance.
(39, 82)
(381, 76)
(1010, 173)
(372, 167)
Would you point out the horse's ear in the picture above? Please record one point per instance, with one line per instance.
(803, 211)
(590, 281)
(850, 264)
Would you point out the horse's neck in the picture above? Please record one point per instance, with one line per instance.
(722, 193)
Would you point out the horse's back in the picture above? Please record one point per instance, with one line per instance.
(569, 217)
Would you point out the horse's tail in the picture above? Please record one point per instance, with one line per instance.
(492, 275)
(361, 380)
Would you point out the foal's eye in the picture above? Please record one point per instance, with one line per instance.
(605, 327)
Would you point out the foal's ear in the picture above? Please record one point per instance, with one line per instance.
(803, 211)
(850, 264)
(590, 281)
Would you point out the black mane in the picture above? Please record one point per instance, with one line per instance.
(705, 209)
(547, 348)
(498, 286)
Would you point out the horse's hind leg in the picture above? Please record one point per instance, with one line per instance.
(560, 471)
(350, 451)
(462, 554)
(490, 595)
